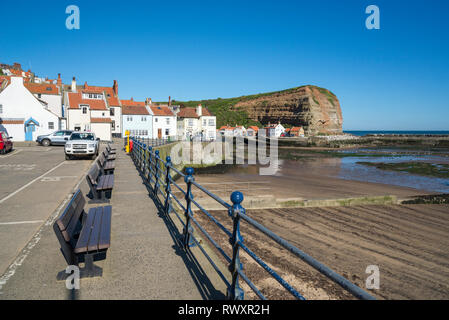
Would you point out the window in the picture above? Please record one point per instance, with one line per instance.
(144, 118)
(39, 95)
(113, 124)
(84, 110)
(211, 122)
(1, 108)
(111, 111)
(59, 133)
(191, 122)
(51, 125)
(167, 132)
(129, 118)
(167, 120)
(204, 122)
(155, 119)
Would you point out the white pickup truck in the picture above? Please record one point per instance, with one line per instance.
(81, 144)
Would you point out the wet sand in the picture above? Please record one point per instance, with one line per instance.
(307, 180)
(409, 243)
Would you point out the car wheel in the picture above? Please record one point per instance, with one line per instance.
(46, 142)
(68, 157)
(3, 151)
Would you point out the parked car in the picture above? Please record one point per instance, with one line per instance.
(81, 144)
(5, 143)
(55, 138)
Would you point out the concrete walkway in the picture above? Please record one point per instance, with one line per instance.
(145, 260)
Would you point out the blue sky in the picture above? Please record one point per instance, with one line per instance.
(393, 78)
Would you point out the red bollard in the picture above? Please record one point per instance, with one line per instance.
(130, 145)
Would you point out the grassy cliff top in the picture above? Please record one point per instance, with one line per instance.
(221, 107)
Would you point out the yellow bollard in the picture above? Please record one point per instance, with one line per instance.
(127, 141)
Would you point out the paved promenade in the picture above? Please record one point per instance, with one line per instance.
(145, 260)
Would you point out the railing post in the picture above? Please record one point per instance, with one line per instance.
(235, 292)
(188, 229)
(150, 155)
(144, 160)
(156, 175)
(167, 185)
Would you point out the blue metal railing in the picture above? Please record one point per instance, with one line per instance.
(158, 175)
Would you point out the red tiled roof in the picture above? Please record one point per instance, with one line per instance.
(100, 120)
(131, 110)
(161, 111)
(132, 103)
(12, 121)
(110, 96)
(43, 88)
(296, 129)
(255, 128)
(75, 99)
(190, 112)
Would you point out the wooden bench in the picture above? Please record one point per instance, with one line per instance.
(109, 156)
(106, 167)
(110, 150)
(84, 237)
(99, 184)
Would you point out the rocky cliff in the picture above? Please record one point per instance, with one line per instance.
(316, 109)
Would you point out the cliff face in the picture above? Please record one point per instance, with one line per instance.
(316, 109)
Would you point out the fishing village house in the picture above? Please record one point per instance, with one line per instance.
(197, 123)
(52, 94)
(272, 130)
(227, 131)
(252, 131)
(164, 121)
(137, 118)
(88, 110)
(297, 131)
(23, 116)
(239, 131)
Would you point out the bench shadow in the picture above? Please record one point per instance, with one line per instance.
(199, 276)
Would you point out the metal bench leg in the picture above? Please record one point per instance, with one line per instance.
(90, 270)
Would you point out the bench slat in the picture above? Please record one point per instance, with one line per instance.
(104, 241)
(83, 240)
(74, 221)
(106, 182)
(65, 217)
(95, 230)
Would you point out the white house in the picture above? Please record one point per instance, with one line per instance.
(137, 119)
(51, 94)
(197, 122)
(164, 122)
(87, 111)
(272, 130)
(239, 131)
(24, 116)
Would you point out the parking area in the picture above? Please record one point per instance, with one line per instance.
(34, 181)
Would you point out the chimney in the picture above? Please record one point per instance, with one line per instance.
(59, 83)
(73, 84)
(199, 110)
(132, 99)
(169, 101)
(115, 87)
(85, 85)
(17, 66)
(150, 101)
